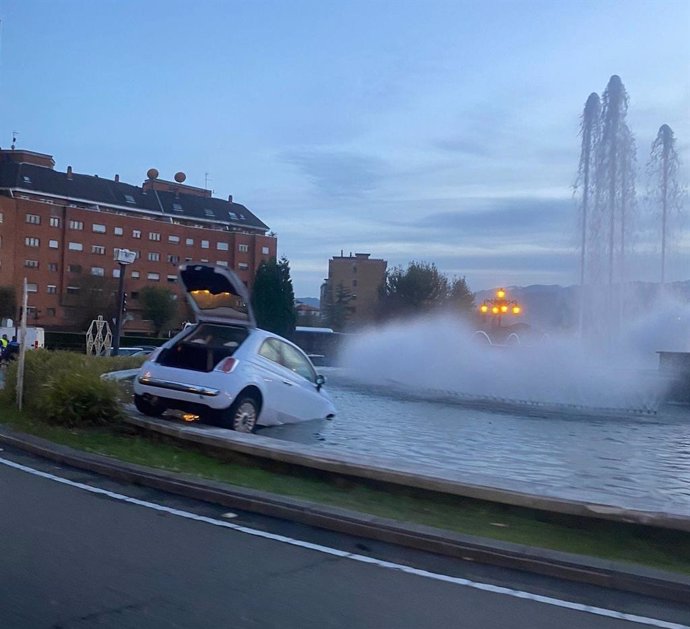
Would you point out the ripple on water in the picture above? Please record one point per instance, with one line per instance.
(634, 462)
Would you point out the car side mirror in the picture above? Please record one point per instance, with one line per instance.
(320, 381)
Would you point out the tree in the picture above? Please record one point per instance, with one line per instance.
(337, 308)
(8, 302)
(273, 298)
(158, 305)
(665, 192)
(91, 295)
(421, 288)
(460, 297)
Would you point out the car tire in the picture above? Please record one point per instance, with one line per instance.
(152, 409)
(243, 414)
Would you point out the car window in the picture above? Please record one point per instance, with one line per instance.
(270, 349)
(295, 361)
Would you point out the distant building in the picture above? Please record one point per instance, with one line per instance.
(351, 291)
(58, 226)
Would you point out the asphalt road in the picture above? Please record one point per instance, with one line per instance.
(71, 558)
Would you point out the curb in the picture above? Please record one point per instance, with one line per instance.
(567, 566)
(392, 472)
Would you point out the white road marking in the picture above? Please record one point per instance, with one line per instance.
(486, 587)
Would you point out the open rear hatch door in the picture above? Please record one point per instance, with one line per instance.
(216, 294)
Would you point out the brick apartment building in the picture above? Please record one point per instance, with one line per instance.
(56, 227)
(359, 278)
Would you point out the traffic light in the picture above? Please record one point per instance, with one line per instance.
(124, 302)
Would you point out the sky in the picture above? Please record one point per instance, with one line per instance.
(427, 130)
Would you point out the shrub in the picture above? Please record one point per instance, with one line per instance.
(80, 398)
(65, 387)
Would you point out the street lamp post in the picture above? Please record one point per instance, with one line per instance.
(123, 257)
(499, 306)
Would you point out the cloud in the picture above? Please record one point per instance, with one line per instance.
(338, 173)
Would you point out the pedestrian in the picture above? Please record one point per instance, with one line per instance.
(3, 347)
(12, 349)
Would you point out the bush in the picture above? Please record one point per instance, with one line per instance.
(66, 388)
(80, 398)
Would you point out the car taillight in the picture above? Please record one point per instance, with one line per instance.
(227, 365)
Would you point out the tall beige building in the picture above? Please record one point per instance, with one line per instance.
(353, 284)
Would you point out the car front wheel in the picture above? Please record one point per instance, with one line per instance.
(148, 407)
(243, 414)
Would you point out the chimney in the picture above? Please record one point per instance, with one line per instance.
(229, 198)
(117, 178)
(69, 173)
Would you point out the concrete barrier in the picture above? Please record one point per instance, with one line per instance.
(391, 471)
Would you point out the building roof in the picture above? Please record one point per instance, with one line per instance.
(34, 179)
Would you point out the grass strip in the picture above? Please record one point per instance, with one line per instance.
(634, 544)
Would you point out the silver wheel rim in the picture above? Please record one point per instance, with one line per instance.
(245, 417)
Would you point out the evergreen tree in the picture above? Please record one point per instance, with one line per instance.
(273, 298)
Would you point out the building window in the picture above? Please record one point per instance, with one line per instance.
(222, 246)
(54, 221)
(98, 249)
(204, 244)
(174, 239)
(154, 236)
(52, 266)
(72, 290)
(264, 251)
(34, 219)
(32, 242)
(118, 231)
(173, 259)
(31, 264)
(222, 262)
(2, 217)
(136, 233)
(130, 199)
(98, 271)
(99, 229)
(53, 244)
(177, 207)
(32, 288)
(76, 224)
(209, 213)
(154, 257)
(50, 312)
(135, 275)
(74, 268)
(75, 246)
(172, 278)
(243, 266)
(189, 241)
(116, 273)
(134, 294)
(243, 248)
(52, 289)
(154, 277)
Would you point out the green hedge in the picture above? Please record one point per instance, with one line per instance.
(65, 387)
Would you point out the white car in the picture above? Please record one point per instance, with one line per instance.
(224, 368)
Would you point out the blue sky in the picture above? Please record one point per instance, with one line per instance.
(426, 130)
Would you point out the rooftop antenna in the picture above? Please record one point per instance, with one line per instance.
(206, 180)
(14, 138)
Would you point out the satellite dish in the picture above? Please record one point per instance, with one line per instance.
(152, 173)
(180, 177)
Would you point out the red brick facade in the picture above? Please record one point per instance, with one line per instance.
(52, 241)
